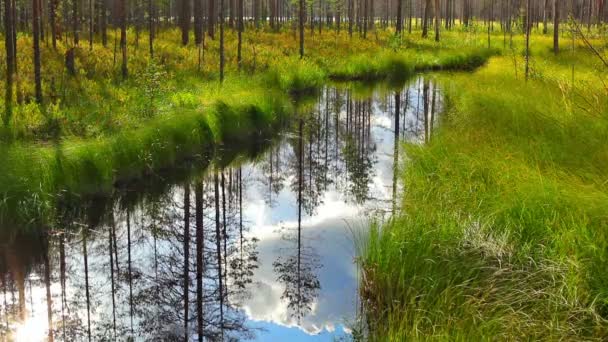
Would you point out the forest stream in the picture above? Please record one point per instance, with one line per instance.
(262, 249)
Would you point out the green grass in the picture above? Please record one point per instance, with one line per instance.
(503, 231)
(34, 176)
(100, 130)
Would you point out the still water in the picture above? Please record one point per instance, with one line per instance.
(262, 248)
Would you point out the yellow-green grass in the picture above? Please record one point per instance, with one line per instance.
(503, 230)
(96, 130)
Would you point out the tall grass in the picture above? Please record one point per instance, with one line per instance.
(99, 130)
(502, 234)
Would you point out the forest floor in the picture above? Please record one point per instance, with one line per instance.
(503, 231)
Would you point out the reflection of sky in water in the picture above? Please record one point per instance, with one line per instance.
(328, 233)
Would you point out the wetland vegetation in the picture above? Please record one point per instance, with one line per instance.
(186, 170)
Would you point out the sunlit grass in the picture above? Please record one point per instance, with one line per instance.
(503, 231)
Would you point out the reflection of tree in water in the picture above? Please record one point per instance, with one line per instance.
(358, 150)
(297, 269)
(273, 178)
(144, 271)
(153, 266)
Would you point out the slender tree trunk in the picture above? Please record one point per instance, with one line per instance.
(399, 17)
(75, 23)
(8, 44)
(437, 19)
(52, 15)
(184, 19)
(103, 23)
(122, 12)
(211, 19)
(556, 26)
(545, 15)
(151, 17)
(350, 18)
(302, 15)
(222, 41)
(528, 26)
(198, 22)
(36, 35)
(240, 29)
(91, 23)
(425, 18)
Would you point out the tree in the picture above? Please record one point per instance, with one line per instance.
(437, 19)
(8, 44)
(240, 29)
(427, 5)
(399, 17)
(151, 16)
(52, 14)
(222, 41)
(184, 20)
(36, 33)
(211, 19)
(527, 28)
(198, 22)
(122, 18)
(556, 26)
(75, 23)
(302, 15)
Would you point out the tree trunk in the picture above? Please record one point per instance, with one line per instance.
(425, 18)
(52, 13)
(437, 19)
(301, 25)
(8, 44)
(556, 26)
(103, 23)
(122, 13)
(211, 19)
(184, 19)
(36, 36)
(91, 21)
(75, 24)
(221, 41)
(240, 34)
(198, 22)
(151, 16)
(399, 17)
(528, 26)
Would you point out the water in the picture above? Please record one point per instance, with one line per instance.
(116, 268)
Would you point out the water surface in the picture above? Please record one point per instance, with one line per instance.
(263, 247)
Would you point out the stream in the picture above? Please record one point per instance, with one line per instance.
(261, 249)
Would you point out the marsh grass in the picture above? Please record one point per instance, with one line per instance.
(96, 130)
(502, 234)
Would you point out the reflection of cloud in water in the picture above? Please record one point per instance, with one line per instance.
(327, 233)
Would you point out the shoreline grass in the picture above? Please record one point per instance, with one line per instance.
(182, 120)
(502, 230)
